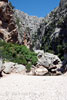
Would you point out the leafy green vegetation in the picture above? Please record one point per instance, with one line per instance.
(29, 67)
(18, 53)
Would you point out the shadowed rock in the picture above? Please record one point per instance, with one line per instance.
(62, 2)
(4, 0)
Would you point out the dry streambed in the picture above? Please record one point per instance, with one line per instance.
(19, 87)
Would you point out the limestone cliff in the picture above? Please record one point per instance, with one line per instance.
(26, 24)
(8, 29)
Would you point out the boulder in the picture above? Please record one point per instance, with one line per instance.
(10, 67)
(19, 68)
(38, 71)
(41, 71)
(49, 60)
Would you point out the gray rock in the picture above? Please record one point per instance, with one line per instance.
(9, 66)
(28, 24)
(19, 68)
(13, 67)
(38, 71)
(49, 60)
(41, 71)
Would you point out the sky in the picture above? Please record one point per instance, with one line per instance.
(38, 8)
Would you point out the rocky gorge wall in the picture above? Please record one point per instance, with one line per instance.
(48, 34)
(26, 24)
(42, 30)
(8, 29)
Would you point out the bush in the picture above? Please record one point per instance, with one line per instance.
(17, 53)
(29, 65)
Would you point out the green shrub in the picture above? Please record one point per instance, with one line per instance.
(17, 53)
(29, 65)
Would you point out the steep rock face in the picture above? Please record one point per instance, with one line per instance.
(52, 34)
(26, 24)
(8, 29)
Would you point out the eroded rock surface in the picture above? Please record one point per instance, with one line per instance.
(8, 29)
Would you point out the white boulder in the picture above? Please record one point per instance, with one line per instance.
(13, 67)
(48, 60)
(41, 71)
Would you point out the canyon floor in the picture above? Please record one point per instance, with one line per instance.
(19, 87)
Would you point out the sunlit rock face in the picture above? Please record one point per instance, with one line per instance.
(27, 24)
